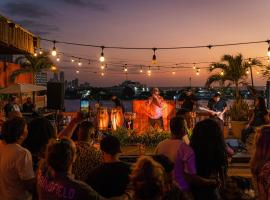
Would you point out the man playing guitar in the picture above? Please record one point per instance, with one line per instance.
(219, 107)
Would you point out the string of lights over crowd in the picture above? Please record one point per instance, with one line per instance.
(116, 67)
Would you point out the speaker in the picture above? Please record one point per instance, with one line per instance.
(55, 95)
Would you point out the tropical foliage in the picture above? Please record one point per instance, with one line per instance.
(232, 70)
(239, 110)
(31, 64)
(150, 138)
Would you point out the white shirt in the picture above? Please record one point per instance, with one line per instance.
(169, 148)
(15, 166)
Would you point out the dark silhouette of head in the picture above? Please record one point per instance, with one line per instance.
(86, 131)
(178, 126)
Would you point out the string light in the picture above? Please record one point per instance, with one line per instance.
(40, 52)
(77, 71)
(80, 63)
(257, 72)
(249, 61)
(194, 66)
(102, 74)
(72, 60)
(102, 66)
(125, 68)
(149, 71)
(247, 71)
(53, 68)
(212, 66)
(54, 52)
(141, 71)
(173, 73)
(154, 59)
(102, 58)
(198, 72)
(35, 54)
(58, 59)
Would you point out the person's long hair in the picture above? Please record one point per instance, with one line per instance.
(261, 103)
(209, 147)
(262, 151)
(148, 179)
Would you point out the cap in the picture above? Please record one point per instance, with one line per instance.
(111, 145)
(217, 94)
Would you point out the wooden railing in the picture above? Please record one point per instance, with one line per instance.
(15, 37)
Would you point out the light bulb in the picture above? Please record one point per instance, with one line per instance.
(77, 72)
(80, 63)
(40, 52)
(54, 53)
(197, 73)
(249, 61)
(258, 72)
(212, 66)
(141, 71)
(102, 74)
(102, 58)
(57, 59)
(35, 54)
(154, 59)
(222, 73)
(53, 68)
(194, 66)
(247, 72)
(102, 66)
(72, 60)
(125, 70)
(173, 73)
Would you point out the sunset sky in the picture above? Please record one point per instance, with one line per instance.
(145, 23)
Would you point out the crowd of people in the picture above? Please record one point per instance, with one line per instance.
(36, 162)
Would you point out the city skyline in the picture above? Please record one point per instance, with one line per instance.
(145, 23)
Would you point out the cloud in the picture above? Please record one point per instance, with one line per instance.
(26, 9)
(94, 5)
(37, 27)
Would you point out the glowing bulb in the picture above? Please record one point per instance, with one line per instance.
(102, 66)
(222, 73)
(57, 59)
(102, 74)
(197, 73)
(40, 52)
(80, 63)
(212, 66)
(258, 72)
(249, 61)
(77, 72)
(53, 68)
(268, 59)
(247, 72)
(35, 54)
(125, 70)
(194, 66)
(173, 73)
(141, 71)
(102, 58)
(72, 60)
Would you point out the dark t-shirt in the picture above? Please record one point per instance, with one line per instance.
(217, 106)
(63, 187)
(28, 107)
(259, 117)
(188, 101)
(110, 179)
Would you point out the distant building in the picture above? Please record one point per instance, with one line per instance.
(55, 77)
(75, 83)
(41, 78)
(62, 76)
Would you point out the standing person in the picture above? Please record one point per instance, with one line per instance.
(28, 106)
(155, 113)
(219, 107)
(112, 177)
(260, 116)
(88, 157)
(189, 101)
(12, 105)
(17, 177)
(118, 103)
(260, 163)
(211, 158)
(54, 177)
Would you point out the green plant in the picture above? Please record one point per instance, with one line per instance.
(150, 138)
(232, 71)
(239, 110)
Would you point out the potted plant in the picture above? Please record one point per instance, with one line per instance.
(239, 112)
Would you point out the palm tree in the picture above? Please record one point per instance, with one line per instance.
(31, 64)
(233, 71)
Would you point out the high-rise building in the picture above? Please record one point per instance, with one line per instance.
(55, 77)
(41, 78)
(62, 76)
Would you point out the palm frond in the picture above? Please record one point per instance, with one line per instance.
(213, 79)
(16, 73)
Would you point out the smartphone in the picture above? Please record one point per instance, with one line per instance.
(84, 108)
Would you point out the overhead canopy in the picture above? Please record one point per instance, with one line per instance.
(18, 88)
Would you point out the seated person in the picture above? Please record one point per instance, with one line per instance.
(112, 177)
(28, 106)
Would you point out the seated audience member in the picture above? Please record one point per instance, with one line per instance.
(172, 190)
(259, 117)
(169, 147)
(17, 177)
(54, 179)
(148, 180)
(211, 159)
(260, 163)
(14, 114)
(40, 131)
(12, 105)
(112, 177)
(88, 157)
(28, 106)
(189, 119)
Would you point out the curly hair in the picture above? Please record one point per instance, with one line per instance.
(148, 179)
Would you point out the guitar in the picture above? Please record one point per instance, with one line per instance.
(219, 115)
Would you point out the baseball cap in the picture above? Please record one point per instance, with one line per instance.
(110, 144)
(217, 94)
